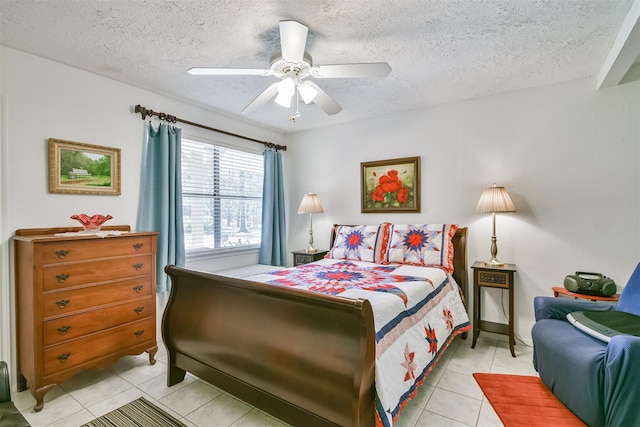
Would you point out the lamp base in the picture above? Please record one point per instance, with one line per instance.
(495, 263)
(311, 250)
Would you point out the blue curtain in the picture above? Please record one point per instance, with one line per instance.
(160, 204)
(273, 249)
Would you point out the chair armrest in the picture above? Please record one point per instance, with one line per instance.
(621, 378)
(558, 308)
(5, 385)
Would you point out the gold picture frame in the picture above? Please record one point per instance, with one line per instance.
(391, 185)
(78, 168)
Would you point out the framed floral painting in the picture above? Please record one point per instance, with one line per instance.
(391, 185)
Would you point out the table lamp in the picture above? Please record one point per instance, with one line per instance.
(495, 199)
(310, 204)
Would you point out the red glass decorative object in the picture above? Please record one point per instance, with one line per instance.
(91, 222)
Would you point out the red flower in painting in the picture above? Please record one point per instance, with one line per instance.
(390, 183)
(431, 339)
(403, 195)
(378, 194)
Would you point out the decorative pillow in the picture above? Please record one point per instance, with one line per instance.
(424, 244)
(356, 243)
(384, 234)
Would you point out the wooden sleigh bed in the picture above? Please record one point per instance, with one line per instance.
(303, 357)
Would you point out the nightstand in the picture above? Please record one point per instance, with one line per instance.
(303, 257)
(501, 277)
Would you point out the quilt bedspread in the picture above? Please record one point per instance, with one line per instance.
(417, 312)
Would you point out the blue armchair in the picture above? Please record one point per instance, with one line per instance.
(598, 381)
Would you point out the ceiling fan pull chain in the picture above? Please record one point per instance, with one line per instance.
(294, 116)
(297, 102)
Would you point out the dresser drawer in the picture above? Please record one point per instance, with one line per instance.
(78, 250)
(70, 354)
(77, 325)
(69, 275)
(63, 303)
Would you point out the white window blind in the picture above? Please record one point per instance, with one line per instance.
(221, 197)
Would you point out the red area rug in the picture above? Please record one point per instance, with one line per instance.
(524, 401)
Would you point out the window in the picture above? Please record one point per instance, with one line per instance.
(221, 197)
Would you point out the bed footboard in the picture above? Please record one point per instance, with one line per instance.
(305, 358)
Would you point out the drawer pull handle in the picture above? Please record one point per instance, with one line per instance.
(138, 309)
(62, 303)
(62, 277)
(63, 330)
(139, 333)
(138, 246)
(138, 288)
(62, 253)
(137, 266)
(63, 357)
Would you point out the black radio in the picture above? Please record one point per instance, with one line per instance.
(590, 284)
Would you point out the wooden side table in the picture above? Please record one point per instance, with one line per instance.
(303, 257)
(564, 291)
(501, 277)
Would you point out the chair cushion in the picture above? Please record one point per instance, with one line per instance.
(572, 365)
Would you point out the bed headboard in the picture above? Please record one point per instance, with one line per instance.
(459, 256)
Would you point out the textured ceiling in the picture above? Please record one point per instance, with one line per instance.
(440, 51)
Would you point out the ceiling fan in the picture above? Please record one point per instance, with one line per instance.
(293, 64)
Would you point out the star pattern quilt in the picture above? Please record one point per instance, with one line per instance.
(417, 311)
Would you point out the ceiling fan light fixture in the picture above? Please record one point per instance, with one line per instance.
(283, 100)
(307, 93)
(286, 89)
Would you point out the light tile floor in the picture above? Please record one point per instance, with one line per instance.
(449, 397)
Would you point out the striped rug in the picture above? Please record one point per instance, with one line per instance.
(139, 413)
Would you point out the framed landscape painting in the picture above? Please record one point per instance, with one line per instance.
(80, 168)
(391, 185)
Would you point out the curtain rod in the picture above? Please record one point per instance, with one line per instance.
(172, 119)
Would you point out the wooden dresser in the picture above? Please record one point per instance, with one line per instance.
(82, 301)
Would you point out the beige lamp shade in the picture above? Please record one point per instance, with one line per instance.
(310, 204)
(495, 199)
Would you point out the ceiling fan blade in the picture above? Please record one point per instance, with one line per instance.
(373, 69)
(205, 71)
(324, 101)
(293, 38)
(262, 99)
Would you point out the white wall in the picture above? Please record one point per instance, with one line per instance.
(568, 155)
(43, 99)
